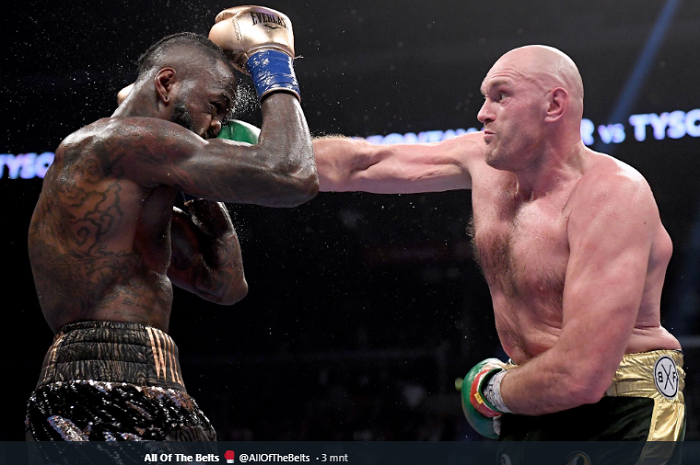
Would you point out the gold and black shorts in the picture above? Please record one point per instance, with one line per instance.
(644, 402)
(113, 381)
(639, 421)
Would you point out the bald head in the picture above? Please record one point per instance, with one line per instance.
(547, 68)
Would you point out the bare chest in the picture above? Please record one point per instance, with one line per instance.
(522, 248)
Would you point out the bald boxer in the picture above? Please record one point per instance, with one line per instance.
(572, 248)
(106, 243)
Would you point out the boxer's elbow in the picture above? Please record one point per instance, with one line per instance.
(585, 387)
(295, 191)
(306, 184)
(237, 292)
(230, 293)
(299, 183)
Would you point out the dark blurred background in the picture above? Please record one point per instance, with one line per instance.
(363, 309)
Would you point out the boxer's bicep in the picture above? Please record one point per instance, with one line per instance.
(610, 239)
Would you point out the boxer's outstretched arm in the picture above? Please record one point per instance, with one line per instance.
(206, 255)
(611, 230)
(346, 164)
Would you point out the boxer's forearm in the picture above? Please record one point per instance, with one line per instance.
(206, 253)
(549, 384)
(227, 281)
(338, 159)
(221, 251)
(345, 164)
(354, 165)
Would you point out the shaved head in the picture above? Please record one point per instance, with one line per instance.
(533, 102)
(546, 67)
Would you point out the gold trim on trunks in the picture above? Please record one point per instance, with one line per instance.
(658, 375)
(113, 352)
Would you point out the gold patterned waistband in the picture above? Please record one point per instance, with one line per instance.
(113, 352)
(658, 373)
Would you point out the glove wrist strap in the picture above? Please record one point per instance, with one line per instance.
(273, 71)
(492, 392)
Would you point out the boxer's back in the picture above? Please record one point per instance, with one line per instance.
(99, 243)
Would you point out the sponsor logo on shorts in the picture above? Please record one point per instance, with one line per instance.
(666, 377)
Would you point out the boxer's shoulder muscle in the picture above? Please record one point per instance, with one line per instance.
(612, 184)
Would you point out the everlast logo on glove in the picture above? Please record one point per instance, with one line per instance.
(263, 18)
(259, 42)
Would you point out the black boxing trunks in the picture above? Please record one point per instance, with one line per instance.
(644, 403)
(113, 381)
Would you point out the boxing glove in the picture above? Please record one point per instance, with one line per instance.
(240, 131)
(259, 41)
(124, 93)
(481, 415)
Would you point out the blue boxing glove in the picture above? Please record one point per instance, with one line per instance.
(259, 41)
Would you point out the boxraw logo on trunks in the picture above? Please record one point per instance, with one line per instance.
(666, 377)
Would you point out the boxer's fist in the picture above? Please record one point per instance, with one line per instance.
(243, 31)
(482, 416)
(124, 93)
(260, 42)
(476, 381)
(240, 131)
(487, 427)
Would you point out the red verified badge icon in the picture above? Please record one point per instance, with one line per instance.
(229, 456)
